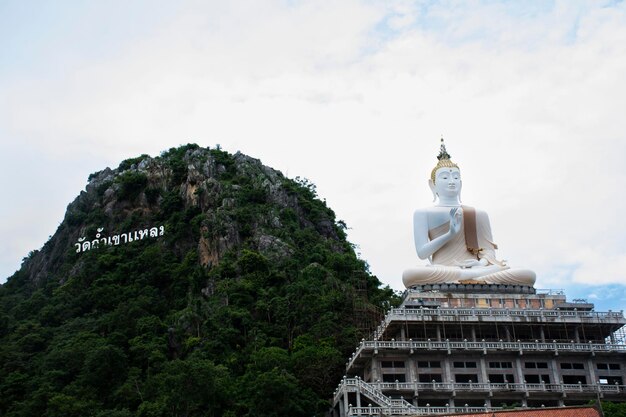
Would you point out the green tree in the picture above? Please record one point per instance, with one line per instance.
(277, 393)
(192, 387)
(613, 409)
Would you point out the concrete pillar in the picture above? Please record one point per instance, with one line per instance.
(342, 410)
(447, 372)
(473, 334)
(542, 334)
(524, 402)
(346, 405)
(519, 371)
(591, 372)
(555, 372)
(402, 333)
(483, 370)
(576, 335)
(375, 370)
(508, 334)
(412, 371)
(439, 333)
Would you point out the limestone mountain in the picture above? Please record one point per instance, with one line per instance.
(195, 283)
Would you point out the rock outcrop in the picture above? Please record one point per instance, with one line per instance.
(234, 198)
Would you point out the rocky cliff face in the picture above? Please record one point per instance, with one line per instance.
(233, 199)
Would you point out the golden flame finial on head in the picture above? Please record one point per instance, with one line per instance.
(444, 161)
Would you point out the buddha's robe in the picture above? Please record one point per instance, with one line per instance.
(448, 263)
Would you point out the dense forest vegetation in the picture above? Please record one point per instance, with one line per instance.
(245, 306)
(613, 409)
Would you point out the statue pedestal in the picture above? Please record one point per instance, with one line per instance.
(476, 288)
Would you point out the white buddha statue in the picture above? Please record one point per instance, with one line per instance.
(456, 239)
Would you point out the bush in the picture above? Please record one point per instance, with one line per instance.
(127, 163)
(131, 184)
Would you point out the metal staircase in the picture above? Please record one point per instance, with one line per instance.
(386, 404)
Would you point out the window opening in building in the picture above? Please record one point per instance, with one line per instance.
(465, 364)
(501, 365)
(429, 364)
(394, 378)
(537, 379)
(575, 365)
(611, 380)
(429, 377)
(574, 379)
(392, 364)
(465, 378)
(501, 378)
(536, 365)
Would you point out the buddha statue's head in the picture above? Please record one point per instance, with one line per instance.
(445, 178)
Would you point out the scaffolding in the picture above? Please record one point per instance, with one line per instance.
(367, 317)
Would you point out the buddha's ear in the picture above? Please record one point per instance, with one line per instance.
(431, 184)
(460, 189)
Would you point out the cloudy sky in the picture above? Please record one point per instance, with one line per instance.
(353, 95)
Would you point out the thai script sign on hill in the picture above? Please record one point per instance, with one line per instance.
(83, 245)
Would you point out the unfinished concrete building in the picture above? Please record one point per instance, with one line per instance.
(478, 347)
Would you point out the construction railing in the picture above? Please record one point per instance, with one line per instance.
(496, 387)
(373, 393)
(484, 346)
(496, 315)
(376, 392)
(390, 411)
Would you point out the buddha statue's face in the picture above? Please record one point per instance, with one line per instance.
(447, 182)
